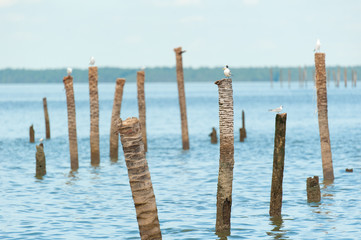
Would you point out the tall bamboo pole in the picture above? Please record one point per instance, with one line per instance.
(117, 104)
(73, 142)
(94, 116)
(141, 107)
(139, 178)
(338, 77)
(182, 98)
(278, 165)
(322, 116)
(46, 116)
(226, 159)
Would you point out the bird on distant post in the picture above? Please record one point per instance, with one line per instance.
(92, 61)
(277, 110)
(69, 71)
(318, 46)
(226, 71)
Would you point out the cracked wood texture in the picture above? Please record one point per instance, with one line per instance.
(94, 116)
(141, 107)
(313, 189)
(278, 165)
(226, 159)
(73, 142)
(322, 117)
(46, 116)
(40, 161)
(182, 97)
(117, 104)
(139, 178)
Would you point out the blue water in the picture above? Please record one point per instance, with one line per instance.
(96, 203)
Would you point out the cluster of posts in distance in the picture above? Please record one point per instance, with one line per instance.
(134, 141)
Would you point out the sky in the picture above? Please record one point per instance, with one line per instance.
(39, 34)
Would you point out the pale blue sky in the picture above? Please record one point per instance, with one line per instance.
(240, 33)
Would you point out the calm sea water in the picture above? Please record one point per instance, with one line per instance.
(96, 203)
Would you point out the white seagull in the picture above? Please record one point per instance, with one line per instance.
(318, 46)
(92, 61)
(69, 71)
(226, 71)
(41, 140)
(142, 68)
(277, 110)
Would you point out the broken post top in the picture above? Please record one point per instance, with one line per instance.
(141, 72)
(218, 82)
(130, 126)
(67, 78)
(282, 115)
(120, 81)
(320, 56)
(178, 50)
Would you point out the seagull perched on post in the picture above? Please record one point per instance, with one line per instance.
(318, 46)
(92, 61)
(226, 71)
(69, 71)
(277, 110)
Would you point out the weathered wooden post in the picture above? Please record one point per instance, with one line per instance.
(73, 142)
(40, 161)
(226, 158)
(32, 134)
(141, 107)
(94, 116)
(46, 116)
(322, 116)
(289, 78)
(338, 77)
(313, 189)
(182, 99)
(114, 135)
(345, 76)
(213, 136)
(278, 165)
(271, 77)
(242, 131)
(139, 178)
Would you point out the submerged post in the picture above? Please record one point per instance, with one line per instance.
(313, 189)
(73, 142)
(141, 107)
(322, 116)
(242, 131)
(182, 99)
(46, 116)
(278, 165)
(139, 178)
(94, 116)
(226, 158)
(32, 134)
(114, 135)
(40, 161)
(213, 136)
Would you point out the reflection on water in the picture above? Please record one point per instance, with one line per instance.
(277, 232)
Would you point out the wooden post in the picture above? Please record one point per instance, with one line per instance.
(226, 159)
(73, 142)
(289, 78)
(242, 131)
(355, 77)
(141, 107)
(114, 135)
(46, 116)
(313, 189)
(305, 76)
(213, 136)
(345, 76)
(94, 116)
(322, 116)
(299, 77)
(40, 161)
(139, 178)
(182, 98)
(338, 77)
(271, 77)
(278, 165)
(32, 134)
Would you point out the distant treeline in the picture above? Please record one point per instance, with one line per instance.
(168, 74)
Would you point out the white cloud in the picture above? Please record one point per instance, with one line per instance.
(250, 2)
(6, 3)
(192, 19)
(186, 2)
